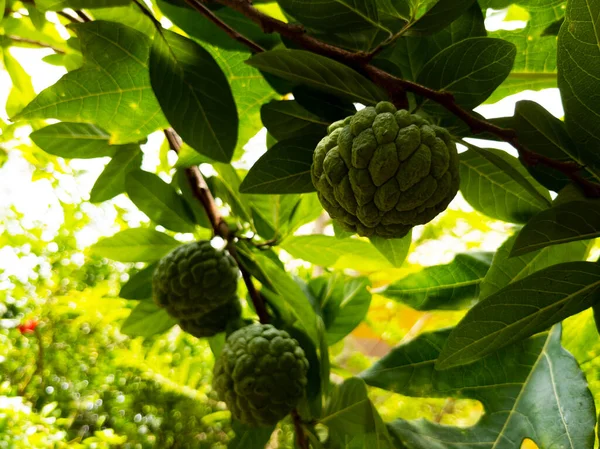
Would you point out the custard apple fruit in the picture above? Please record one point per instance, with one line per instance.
(382, 171)
(214, 321)
(261, 374)
(194, 280)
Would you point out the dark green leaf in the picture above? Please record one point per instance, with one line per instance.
(565, 222)
(319, 73)
(496, 184)
(445, 287)
(287, 119)
(111, 181)
(285, 168)
(578, 64)
(146, 320)
(112, 89)
(135, 245)
(523, 389)
(506, 269)
(522, 309)
(470, 69)
(57, 5)
(194, 95)
(193, 203)
(443, 13)
(333, 252)
(394, 250)
(74, 140)
(159, 201)
(227, 187)
(249, 437)
(328, 107)
(139, 286)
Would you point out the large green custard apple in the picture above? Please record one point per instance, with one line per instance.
(383, 171)
(260, 374)
(196, 284)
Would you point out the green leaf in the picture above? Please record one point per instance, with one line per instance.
(443, 13)
(139, 286)
(271, 214)
(522, 309)
(320, 73)
(344, 303)
(227, 187)
(194, 95)
(565, 222)
(146, 320)
(21, 91)
(112, 89)
(193, 203)
(159, 201)
(328, 107)
(247, 437)
(74, 140)
(289, 292)
(506, 269)
(496, 184)
(58, 5)
(287, 119)
(394, 250)
(523, 389)
(2, 8)
(135, 245)
(285, 168)
(453, 286)
(111, 181)
(306, 210)
(130, 15)
(546, 135)
(470, 69)
(333, 252)
(351, 414)
(578, 64)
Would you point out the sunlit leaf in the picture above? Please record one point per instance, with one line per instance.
(111, 181)
(146, 320)
(135, 245)
(74, 140)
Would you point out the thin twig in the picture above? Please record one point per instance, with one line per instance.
(206, 12)
(22, 40)
(301, 438)
(220, 228)
(69, 17)
(83, 15)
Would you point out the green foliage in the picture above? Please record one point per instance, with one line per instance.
(281, 129)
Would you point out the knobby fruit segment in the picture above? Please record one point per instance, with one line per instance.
(382, 171)
(261, 374)
(197, 283)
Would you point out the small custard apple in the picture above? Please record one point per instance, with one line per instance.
(383, 171)
(194, 280)
(260, 374)
(214, 321)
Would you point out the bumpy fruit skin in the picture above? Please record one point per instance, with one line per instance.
(260, 374)
(195, 283)
(383, 171)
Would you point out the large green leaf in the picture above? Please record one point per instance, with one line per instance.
(333, 252)
(285, 168)
(287, 119)
(470, 69)
(159, 201)
(139, 286)
(130, 15)
(496, 184)
(111, 181)
(296, 303)
(564, 222)
(506, 269)
(350, 414)
(319, 73)
(74, 140)
(135, 245)
(445, 287)
(578, 65)
(522, 309)
(343, 301)
(146, 320)
(328, 108)
(112, 89)
(57, 5)
(194, 95)
(443, 13)
(533, 389)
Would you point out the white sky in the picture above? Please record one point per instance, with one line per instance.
(40, 204)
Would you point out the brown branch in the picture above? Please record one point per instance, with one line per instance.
(206, 12)
(69, 17)
(220, 227)
(301, 438)
(22, 40)
(397, 88)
